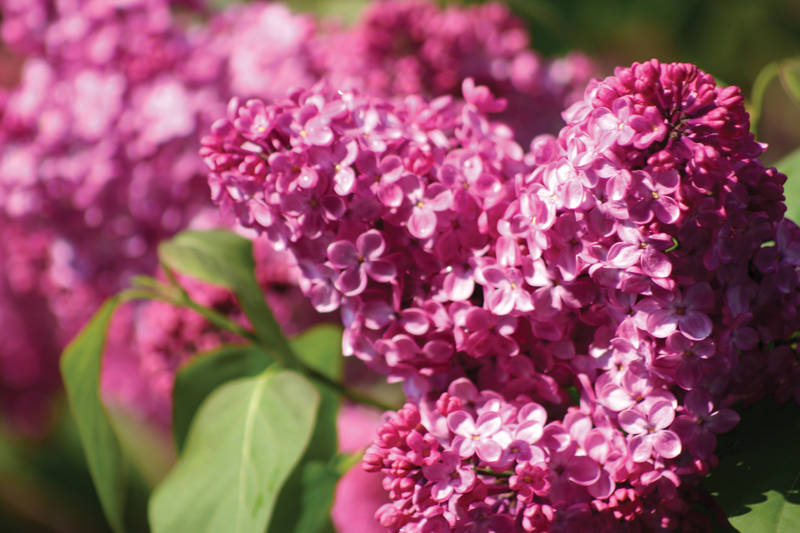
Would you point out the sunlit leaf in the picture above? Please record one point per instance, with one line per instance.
(790, 79)
(298, 509)
(225, 259)
(790, 165)
(197, 380)
(244, 443)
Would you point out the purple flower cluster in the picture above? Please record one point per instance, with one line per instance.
(640, 259)
(98, 142)
(414, 47)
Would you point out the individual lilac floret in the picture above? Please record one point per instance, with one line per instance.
(649, 433)
(698, 426)
(475, 437)
(449, 477)
(686, 311)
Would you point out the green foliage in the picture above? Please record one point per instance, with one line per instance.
(218, 257)
(345, 10)
(306, 499)
(758, 478)
(320, 348)
(198, 379)
(244, 443)
(80, 368)
(790, 165)
(247, 442)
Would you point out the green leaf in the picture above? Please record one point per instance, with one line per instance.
(218, 257)
(298, 509)
(147, 449)
(319, 485)
(80, 369)
(790, 165)
(198, 379)
(226, 259)
(321, 349)
(319, 488)
(758, 477)
(244, 443)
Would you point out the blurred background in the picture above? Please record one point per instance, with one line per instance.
(44, 484)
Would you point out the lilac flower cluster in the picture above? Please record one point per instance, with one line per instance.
(98, 143)
(401, 48)
(640, 259)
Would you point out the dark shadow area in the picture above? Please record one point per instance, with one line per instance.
(760, 455)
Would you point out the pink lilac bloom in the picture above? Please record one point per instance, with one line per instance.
(414, 47)
(632, 304)
(113, 95)
(85, 143)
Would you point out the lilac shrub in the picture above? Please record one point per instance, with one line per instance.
(638, 262)
(98, 142)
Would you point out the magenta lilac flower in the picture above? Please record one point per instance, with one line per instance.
(99, 147)
(99, 139)
(413, 47)
(630, 258)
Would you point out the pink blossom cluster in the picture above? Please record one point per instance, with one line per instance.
(472, 461)
(414, 47)
(98, 142)
(640, 259)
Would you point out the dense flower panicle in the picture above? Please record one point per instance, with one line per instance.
(98, 142)
(99, 152)
(641, 257)
(415, 47)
